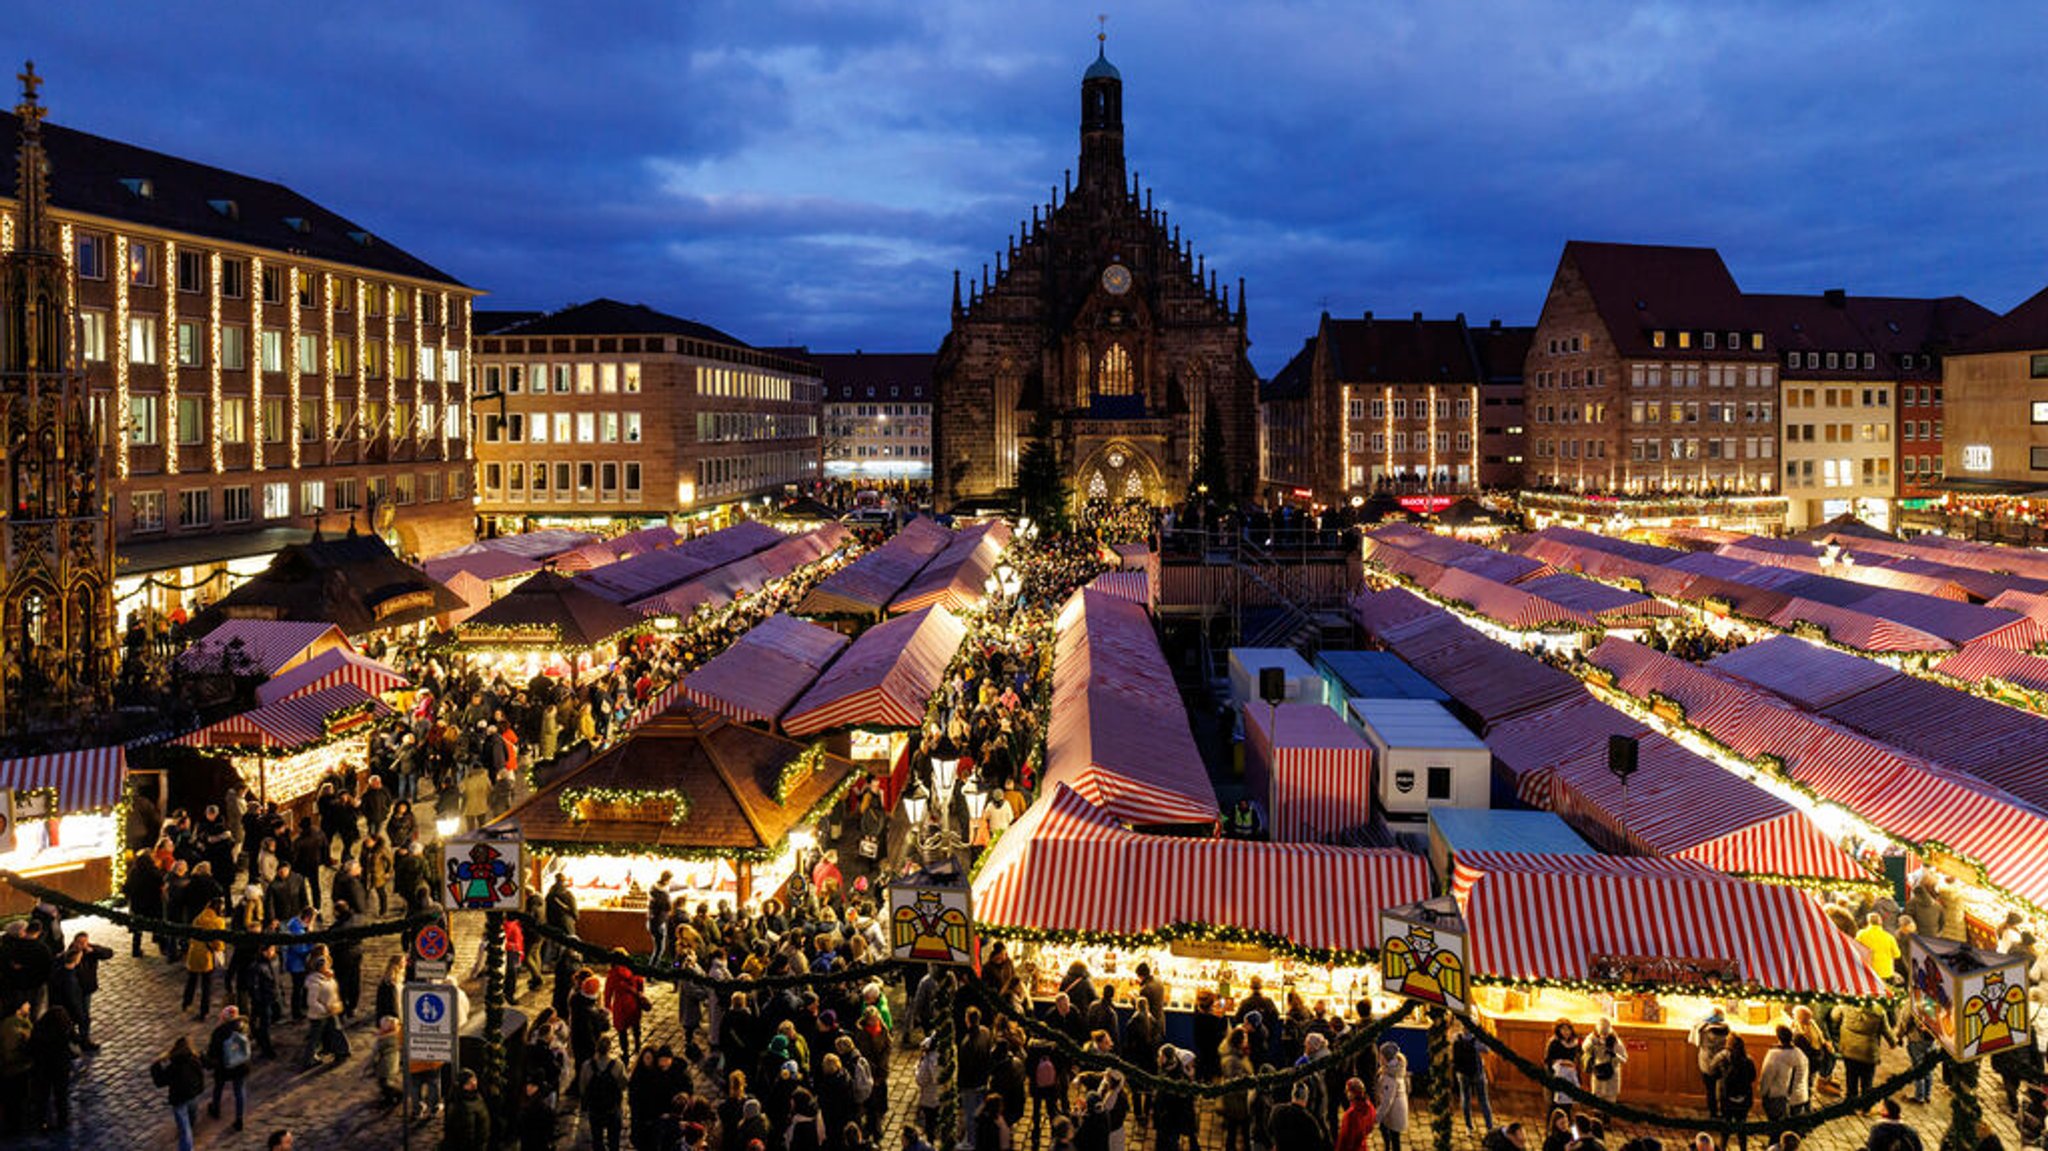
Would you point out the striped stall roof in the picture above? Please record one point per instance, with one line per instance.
(1607, 603)
(759, 675)
(637, 575)
(1982, 662)
(1547, 916)
(1119, 732)
(1312, 771)
(865, 586)
(88, 780)
(1511, 607)
(746, 575)
(1134, 586)
(1809, 674)
(884, 679)
(1491, 681)
(957, 578)
(1451, 552)
(2025, 562)
(333, 666)
(1861, 630)
(2001, 745)
(287, 723)
(540, 545)
(270, 645)
(1068, 865)
(487, 566)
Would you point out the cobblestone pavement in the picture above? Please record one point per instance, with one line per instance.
(136, 1018)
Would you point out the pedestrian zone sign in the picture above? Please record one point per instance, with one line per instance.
(430, 1022)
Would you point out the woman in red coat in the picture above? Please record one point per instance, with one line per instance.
(1354, 1128)
(625, 995)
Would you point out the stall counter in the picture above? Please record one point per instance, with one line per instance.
(1663, 1065)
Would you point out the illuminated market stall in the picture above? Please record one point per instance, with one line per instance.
(331, 667)
(863, 588)
(724, 806)
(880, 685)
(746, 575)
(259, 647)
(282, 749)
(1068, 882)
(549, 625)
(1651, 945)
(650, 572)
(68, 827)
(353, 581)
(763, 672)
(958, 577)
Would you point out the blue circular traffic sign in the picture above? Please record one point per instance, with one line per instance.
(431, 943)
(429, 1008)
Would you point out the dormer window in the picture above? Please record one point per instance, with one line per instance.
(1685, 339)
(1707, 340)
(227, 208)
(140, 187)
(298, 224)
(1756, 341)
(1657, 338)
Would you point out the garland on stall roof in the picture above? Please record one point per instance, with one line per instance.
(1768, 1129)
(589, 848)
(151, 925)
(572, 799)
(807, 763)
(327, 722)
(536, 928)
(1148, 1079)
(1173, 932)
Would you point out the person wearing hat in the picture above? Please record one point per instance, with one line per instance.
(229, 1052)
(588, 1021)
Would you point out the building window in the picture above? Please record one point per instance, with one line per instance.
(234, 347)
(562, 480)
(92, 337)
(234, 279)
(143, 416)
(141, 268)
(608, 480)
(562, 374)
(608, 428)
(586, 379)
(629, 377)
(405, 488)
(1379, 409)
(273, 351)
(234, 505)
(309, 297)
(632, 431)
(312, 497)
(92, 265)
(234, 420)
(632, 480)
(147, 510)
(273, 285)
(1114, 378)
(586, 427)
(195, 508)
(142, 339)
(540, 479)
(309, 420)
(191, 420)
(273, 420)
(191, 271)
(309, 354)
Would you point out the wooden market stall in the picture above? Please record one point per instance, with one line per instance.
(336, 665)
(353, 581)
(71, 847)
(550, 624)
(878, 687)
(746, 575)
(958, 577)
(284, 748)
(863, 588)
(259, 647)
(1650, 944)
(764, 671)
(723, 805)
(1309, 771)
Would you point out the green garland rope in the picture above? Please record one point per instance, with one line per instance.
(1146, 1079)
(148, 925)
(1769, 1129)
(534, 928)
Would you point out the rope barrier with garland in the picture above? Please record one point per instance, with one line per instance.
(1768, 1128)
(1146, 1079)
(143, 924)
(535, 929)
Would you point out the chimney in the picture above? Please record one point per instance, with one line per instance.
(1836, 297)
(1494, 324)
(1368, 315)
(1418, 317)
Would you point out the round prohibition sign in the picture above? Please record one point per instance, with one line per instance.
(431, 943)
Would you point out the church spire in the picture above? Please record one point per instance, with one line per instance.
(1102, 125)
(32, 174)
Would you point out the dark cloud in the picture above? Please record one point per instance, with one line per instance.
(812, 171)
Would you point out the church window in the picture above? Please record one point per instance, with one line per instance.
(1115, 379)
(1098, 488)
(1133, 488)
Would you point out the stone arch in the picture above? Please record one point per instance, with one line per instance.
(1116, 471)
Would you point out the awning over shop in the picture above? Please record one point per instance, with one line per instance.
(865, 586)
(957, 578)
(540, 545)
(1602, 557)
(1807, 673)
(549, 610)
(885, 678)
(1312, 769)
(1119, 733)
(263, 647)
(353, 581)
(746, 575)
(1510, 607)
(764, 671)
(1983, 663)
(1492, 682)
(1539, 917)
(1450, 552)
(1128, 585)
(637, 575)
(1678, 804)
(1858, 629)
(605, 552)
(1069, 865)
(1612, 606)
(292, 723)
(89, 780)
(331, 667)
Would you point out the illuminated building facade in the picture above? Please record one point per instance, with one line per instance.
(878, 413)
(607, 411)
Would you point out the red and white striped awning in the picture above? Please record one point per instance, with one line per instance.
(89, 780)
(1132, 585)
(1069, 865)
(288, 723)
(1311, 770)
(1860, 630)
(764, 671)
(336, 665)
(269, 645)
(1119, 732)
(865, 586)
(1511, 607)
(1547, 916)
(1988, 661)
(957, 578)
(885, 679)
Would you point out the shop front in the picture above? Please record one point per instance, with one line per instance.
(66, 826)
(283, 749)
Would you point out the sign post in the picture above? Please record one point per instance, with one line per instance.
(430, 948)
(429, 1031)
(931, 921)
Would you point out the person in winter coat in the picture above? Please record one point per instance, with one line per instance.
(1736, 1073)
(1710, 1037)
(1393, 1095)
(1865, 1034)
(1469, 1069)
(536, 1119)
(1296, 1125)
(323, 1007)
(468, 1122)
(625, 996)
(1236, 1107)
(1781, 1077)
(1354, 1126)
(601, 1084)
(51, 1059)
(183, 1078)
(144, 889)
(229, 1052)
(1606, 1052)
(202, 957)
(385, 1065)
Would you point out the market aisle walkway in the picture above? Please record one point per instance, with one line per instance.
(116, 1105)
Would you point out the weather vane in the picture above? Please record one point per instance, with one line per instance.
(1101, 27)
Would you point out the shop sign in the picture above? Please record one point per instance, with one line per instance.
(405, 602)
(1215, 950)
(1667, 971)
(481, 873)
(930, 924)
(1425, 505)
(1423, 954)
(430, 1022)
(1973, 1001)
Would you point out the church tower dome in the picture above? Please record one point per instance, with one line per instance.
(1102, 126)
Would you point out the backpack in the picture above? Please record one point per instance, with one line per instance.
(602, 1096)
(234, 1051)
(1045, 1075)
(863, 1080)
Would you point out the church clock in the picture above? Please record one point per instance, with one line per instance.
(1116, 279)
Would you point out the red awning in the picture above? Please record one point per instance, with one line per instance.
(1981, 662)
(1068, 865)
(1313, 772)
(1510, 607)
(1548, 916)
(764, 671)
(89, 780)
(1119, 733)
(885, 679)
(865, 586)
(957, 578)
(336, 665)
(1130, 585)
(288, 723)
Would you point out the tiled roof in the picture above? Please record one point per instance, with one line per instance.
(489, 321)
(1415, 351)
(87, 175)
(2025, 328)
(1502, 348)
(1291, 383)
(849, 375)
(1638, 288)
(607, 317)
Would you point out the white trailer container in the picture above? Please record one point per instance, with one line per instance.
(1303, 684)
(1422, 757)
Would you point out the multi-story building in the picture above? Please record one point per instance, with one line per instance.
(878, 413)
(1647, 374)
(1375, 405)
(263, 361)
(1503, 420)
(1837, 411)
(1996, 449)
(1912, 336)
(607, 411)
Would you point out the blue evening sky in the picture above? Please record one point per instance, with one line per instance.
(811, 172)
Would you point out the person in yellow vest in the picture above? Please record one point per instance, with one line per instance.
(202, 956)
(1884, 950)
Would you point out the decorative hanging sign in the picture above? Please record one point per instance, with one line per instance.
(931, 919)
(482, 873)
(1423, 954)
(1974, 1001)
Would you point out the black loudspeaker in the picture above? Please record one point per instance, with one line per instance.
(1272, 685)
(1621, 756)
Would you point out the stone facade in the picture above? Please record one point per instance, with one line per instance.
(1102, 317)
